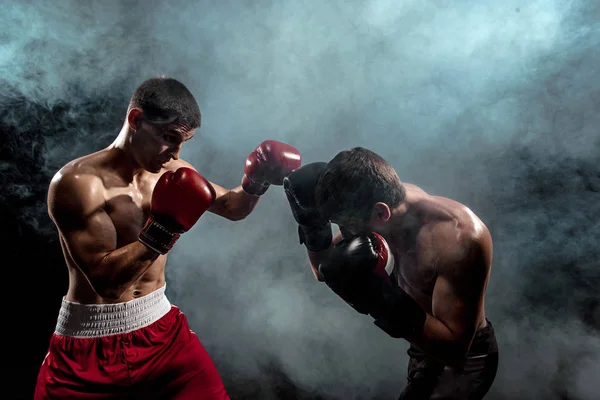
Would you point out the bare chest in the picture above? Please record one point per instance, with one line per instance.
(128, 208)
(416, 276)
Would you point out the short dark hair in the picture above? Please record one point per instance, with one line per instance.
(166, 100)
(354, 181)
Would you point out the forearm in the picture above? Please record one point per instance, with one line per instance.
(238, 204)
(315, 259)
(120, 268)
(439, 342)
(399, 315)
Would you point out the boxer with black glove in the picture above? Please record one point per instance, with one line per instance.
(358, 270)
(417, 264)
(314, 230)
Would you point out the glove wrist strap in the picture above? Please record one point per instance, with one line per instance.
(157, 237)
(254, 188)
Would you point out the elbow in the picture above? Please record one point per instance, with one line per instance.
(104, 289)
(237, 216)
(237, 213)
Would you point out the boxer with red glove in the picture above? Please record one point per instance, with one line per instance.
(267, 165)
(358, 270)
(179, 199)
(119, 211)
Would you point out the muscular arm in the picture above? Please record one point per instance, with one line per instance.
(457, 303)
(234, 204)
(76, 205)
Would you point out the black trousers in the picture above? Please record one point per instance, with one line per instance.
(430, 380)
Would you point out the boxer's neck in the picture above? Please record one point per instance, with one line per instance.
(402, 222)
(122, 159)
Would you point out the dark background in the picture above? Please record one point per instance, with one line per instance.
(494, 104)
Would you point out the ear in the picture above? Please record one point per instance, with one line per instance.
(381, 213)
(134, 118)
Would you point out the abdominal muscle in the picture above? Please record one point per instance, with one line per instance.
(81, 291)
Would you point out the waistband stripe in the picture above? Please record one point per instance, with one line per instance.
(97, 320)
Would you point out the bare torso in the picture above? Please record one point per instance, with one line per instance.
(432, 226)
(128, 206)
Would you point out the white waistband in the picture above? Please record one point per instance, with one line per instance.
(97, 320)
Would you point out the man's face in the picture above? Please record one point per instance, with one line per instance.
(351, 225)
(156, 144)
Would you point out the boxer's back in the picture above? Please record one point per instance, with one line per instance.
(92, 188)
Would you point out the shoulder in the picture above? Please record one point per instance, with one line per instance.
(79, 175)
(459, 238)
(450, 214)
(77, 187)
(468, 253)
(411, 188)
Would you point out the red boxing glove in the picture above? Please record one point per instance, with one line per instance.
(179, 199)
(267, 165)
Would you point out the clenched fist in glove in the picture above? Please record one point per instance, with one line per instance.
(179, 199)
(267, 165)
(314, 229)
(358, 270)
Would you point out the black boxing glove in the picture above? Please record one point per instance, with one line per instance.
(314, 229)
(358, 270)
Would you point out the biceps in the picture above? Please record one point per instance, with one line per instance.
(91, 241)
(221, 198)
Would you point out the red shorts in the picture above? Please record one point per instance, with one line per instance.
(163, 360)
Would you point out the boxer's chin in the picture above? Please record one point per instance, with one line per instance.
(154, 168)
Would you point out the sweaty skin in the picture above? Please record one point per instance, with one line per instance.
(443, 255)
(100, 202)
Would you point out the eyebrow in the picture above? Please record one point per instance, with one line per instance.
(180, 133)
